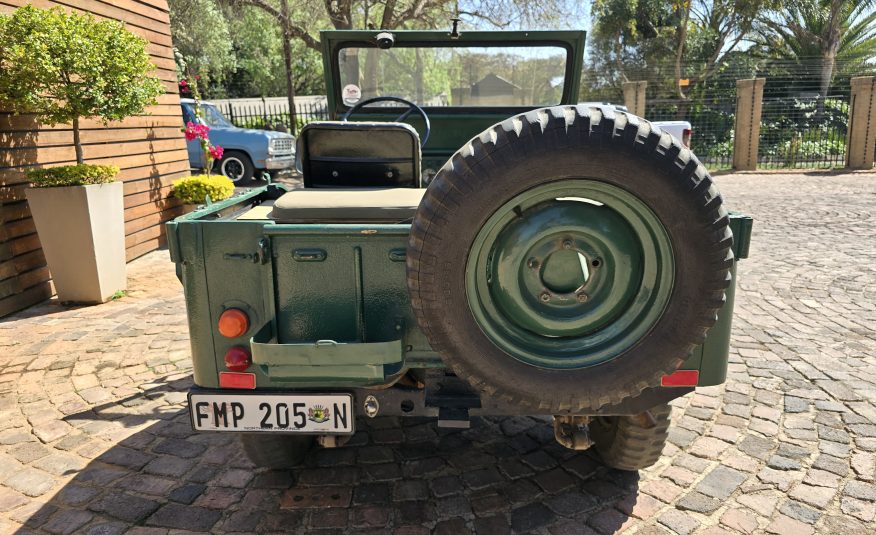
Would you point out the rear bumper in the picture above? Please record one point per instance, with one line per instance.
(441, 395)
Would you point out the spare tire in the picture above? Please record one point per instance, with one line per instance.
(567, 258)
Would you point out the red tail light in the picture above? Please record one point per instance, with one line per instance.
(238, 359)
(233, 323)
(686, 134)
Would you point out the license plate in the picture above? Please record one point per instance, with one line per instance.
(273, 413)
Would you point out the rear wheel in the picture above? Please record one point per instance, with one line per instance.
(631, 442)
(237, 166)
(276, 451)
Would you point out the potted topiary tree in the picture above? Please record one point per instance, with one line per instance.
(63, 67)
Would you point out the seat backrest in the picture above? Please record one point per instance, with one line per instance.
(358, 154)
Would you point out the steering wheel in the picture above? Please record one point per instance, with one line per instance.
(411, 108)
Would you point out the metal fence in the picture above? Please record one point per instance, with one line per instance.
(712, 123)
(803, 132)
(266, 115)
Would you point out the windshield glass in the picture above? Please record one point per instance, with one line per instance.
(212, 116)
(455, 76)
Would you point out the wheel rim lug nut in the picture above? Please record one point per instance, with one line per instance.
(545, 297)
(532, 263)
(582, 297)
(567, 244)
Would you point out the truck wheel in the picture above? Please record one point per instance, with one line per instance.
(276, 451)
(566, 259)
(237, 166)
(631, 442)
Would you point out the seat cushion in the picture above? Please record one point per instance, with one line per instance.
(360, 205)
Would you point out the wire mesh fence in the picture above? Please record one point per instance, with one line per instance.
(712, 123)
(803, 132)
(803, 125)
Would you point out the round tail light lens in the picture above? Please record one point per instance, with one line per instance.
(237, 359)
(233, 323)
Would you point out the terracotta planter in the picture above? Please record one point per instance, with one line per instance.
(189, 208)
(82, 231)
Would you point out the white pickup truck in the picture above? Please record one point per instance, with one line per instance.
(680, 129)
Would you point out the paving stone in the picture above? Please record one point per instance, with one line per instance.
(741, 520)
(483, 478)
(817, 496)
(607, 522)
(679, 522)
(410, 490)
(10, 499)
(174, 515)
(370, 517)
(721, 482)
(757, 447)
(453, 526)
(798, 511)
(784, 525)
(446, 486)
(497, 525)
(694, 501)
(531, 517)
(373, 493)
(859, 509)
(31, 482)
(778, 462)
(861, 490)
(67, 521)
(124, 506)
(186, 494)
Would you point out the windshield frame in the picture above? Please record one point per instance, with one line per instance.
(571, 41)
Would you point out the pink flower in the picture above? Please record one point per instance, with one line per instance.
(216, 152)
(202, 130)
(191, 131)
(183, 83)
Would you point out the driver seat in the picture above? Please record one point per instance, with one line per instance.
(338, 154)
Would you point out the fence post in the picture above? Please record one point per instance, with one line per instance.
(861, 137)
(634, 97)
(749, 101)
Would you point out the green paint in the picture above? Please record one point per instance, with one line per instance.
(510, 274)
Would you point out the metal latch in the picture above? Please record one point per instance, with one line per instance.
(261, 256)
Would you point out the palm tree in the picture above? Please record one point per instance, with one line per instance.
(833, 32)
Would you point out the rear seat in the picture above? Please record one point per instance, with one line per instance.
(359, 205)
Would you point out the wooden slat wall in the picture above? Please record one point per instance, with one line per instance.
(149, 149)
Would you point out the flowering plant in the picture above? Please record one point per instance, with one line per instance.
(199, 130)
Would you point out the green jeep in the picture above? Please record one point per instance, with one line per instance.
(468, 241)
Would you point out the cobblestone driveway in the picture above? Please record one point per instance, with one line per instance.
(93, 437)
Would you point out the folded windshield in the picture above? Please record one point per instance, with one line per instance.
(455, 76)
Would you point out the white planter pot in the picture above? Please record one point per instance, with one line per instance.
(82, 231)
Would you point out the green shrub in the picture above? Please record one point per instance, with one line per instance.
(72, 175)
(195, 189)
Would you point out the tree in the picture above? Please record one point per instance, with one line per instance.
(202, 38)
(63, 67)
(669, 42)
(827, 31)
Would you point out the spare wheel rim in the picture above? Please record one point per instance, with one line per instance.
(569, 274)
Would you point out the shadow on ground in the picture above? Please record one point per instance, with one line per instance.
(395, 476)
